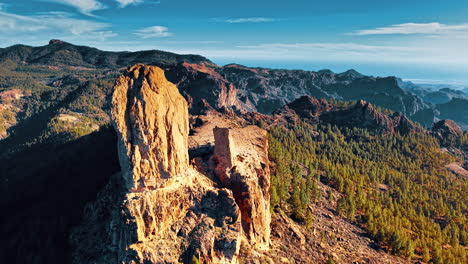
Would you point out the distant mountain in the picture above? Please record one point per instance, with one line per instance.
(59, 53)
(358, 115)
(434, 85)
(456, 110)
(414, 88)
(443, 96)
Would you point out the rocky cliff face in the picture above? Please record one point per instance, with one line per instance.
(242, 165)
(202, 83)
(152, 119)
(159, 209)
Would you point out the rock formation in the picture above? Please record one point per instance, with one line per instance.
(446, 128)
(243, 166)
(362, 114)
(152, 119)
(158, 209)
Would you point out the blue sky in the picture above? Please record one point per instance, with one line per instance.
(412, 39)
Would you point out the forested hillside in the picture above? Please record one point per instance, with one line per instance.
(394, 186)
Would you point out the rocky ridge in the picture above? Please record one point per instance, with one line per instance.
(362, 114)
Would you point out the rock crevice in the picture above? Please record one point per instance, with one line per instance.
(241, 157)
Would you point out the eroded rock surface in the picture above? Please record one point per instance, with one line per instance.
(151, 118)
(241, 155)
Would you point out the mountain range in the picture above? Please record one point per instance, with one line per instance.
(247, 89)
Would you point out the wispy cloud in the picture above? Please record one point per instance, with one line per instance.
(432, 29)
(153, 32)
(414, 53)
(249, 20)
(349, 47)
(83, 6)
(52, 25)
(124, 3)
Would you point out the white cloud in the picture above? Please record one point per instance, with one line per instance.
(32, 29)
(84, 6)
(250, 20)
(153, 32)
(124, 3)
(431, 29)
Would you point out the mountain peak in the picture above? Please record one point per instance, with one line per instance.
(55, 41)
(352, 73)
(447, 127)
(326, 71)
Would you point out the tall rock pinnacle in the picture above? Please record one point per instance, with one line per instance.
(151, 118)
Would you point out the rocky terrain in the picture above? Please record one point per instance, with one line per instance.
(8, 110)
(331, 238)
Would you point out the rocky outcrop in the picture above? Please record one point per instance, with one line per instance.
(159, 209)
(241, 157)
(365, 115)
(446, 128)
(362, 115)
(152, 119)
(305, 107)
